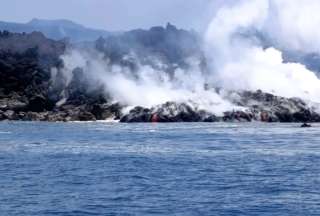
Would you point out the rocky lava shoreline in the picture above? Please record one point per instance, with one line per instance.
(28, 91)
(257, 106)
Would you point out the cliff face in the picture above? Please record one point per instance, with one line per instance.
(26, 60)
(27, 90)
(25, 63)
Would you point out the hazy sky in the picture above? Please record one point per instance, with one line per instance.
(111, 14)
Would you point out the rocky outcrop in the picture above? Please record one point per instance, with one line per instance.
(256, 106)
(27, 91)
(270, 108)
(168, 112)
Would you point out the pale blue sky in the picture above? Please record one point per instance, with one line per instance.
(112, 14)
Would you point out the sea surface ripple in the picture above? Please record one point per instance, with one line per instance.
(159, 169)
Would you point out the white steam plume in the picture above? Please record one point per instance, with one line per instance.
(240, 63)
(294, 24)
(148, 87)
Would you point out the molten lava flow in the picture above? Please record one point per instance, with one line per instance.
(155, 118)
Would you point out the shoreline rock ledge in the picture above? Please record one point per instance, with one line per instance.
(258, 106)
(29, 92)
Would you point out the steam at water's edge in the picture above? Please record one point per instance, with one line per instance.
(241, 63)
(237, 61)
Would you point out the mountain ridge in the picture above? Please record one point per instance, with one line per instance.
(56, 29)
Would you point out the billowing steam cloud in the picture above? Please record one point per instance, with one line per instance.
(293, 24)
(240, 62)
(149, 87)
(237, 60)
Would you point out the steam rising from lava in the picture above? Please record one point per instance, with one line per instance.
(236, 56)
(241, 63)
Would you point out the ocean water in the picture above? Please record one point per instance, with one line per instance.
(159, 169)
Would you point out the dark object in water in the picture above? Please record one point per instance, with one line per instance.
(305, 125)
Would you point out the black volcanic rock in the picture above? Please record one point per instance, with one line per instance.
(173, 112)
(40, 103)
(270, 108)
(168, 112)
(257, 106)
(106, 111)
(136, 115)
(26, 60)
(25, 63)
(237, 116)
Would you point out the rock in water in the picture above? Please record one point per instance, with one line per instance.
(305, 125)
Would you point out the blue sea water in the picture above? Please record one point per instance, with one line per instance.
(159, 169)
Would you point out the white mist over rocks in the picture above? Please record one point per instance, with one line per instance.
(237, 60)
(148, 87)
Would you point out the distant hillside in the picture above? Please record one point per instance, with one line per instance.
(169, 45)
(56, 29)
